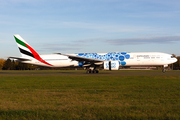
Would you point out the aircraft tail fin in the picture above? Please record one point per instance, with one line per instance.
(27, 51)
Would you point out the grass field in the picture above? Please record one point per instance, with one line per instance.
(89, 97)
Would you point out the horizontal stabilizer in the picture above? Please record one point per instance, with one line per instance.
(20, 59)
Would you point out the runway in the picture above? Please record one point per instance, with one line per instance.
(88, 74)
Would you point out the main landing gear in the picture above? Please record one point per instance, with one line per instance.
(92, 71)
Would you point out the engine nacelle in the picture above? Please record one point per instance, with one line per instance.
(111, 65)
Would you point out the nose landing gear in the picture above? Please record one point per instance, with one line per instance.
(164, 68)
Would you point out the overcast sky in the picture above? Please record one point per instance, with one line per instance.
(73, 26)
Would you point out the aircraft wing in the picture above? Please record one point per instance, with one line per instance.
(81, 59)
(20, 59)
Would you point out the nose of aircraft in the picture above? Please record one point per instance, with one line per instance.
(174, 60)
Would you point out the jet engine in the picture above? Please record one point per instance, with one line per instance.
(111, 65)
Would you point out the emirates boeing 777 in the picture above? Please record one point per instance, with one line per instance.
(108, 61)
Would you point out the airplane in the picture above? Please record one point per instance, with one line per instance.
(108, 61)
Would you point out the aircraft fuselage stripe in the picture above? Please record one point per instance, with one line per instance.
(26, 52)
(36, 55)
(20, 42)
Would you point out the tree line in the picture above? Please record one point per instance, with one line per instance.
(14, 65)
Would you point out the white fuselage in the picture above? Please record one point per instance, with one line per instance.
(150, 59)
(135, 59)
(55, 60)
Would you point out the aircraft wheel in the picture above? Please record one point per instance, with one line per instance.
(164, 70)
(88, 71)
(92, 71)
(95, 71)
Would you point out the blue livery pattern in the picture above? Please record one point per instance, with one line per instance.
(112, 56)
